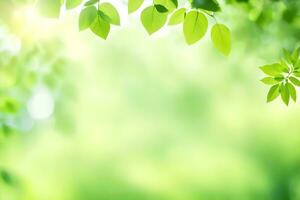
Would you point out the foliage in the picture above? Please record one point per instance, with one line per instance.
(283, 76)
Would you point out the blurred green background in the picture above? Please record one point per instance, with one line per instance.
(140, 118)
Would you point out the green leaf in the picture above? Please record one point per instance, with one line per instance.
(269, 81)
(133, 5)
(72, 3)
(87, 17)
(177, 17)
(153, 20)
(295, 55)
(273, 93)
(100, 27)
(287, 56)
(161, 8)
(91, 2)
(272, 70)
(210, 5)
(284, 66)
(194, 26)
(170, 5)
(49, 8)
(109, 10)
(221, 37)
(295, 81)
(285, 94)
(292, 91)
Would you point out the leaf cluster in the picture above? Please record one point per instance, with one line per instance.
(283, 77)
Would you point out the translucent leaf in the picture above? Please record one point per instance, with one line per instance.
(100, 27)
(49, 8)
(269, 81)
(72, 3)
(295, 81)
(153, 20)
(221, 37)
(285, 94)
(194, 26)
(87, 17)
(292, 91)
(133, 5)
(170, 5)
(273, 93)
(272, 70)
(109, 10)
(91, 2)
(177, 17)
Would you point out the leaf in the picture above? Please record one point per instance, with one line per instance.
(87, 17)
(170, 5)
(133, 5)
(161, 8)
(273, 93)
(292, 91)
(284, 66)
(210, 5)
(295, 55)
(287, 56)
(91, 2)
(269, 81)
(72, 3)
(295, 81)
(272, 70)
(221, 37)
(100, 27)
(153, 20)
(49, 8)
(285, 94)
(109, 10)
(194, 26)
(177, 17)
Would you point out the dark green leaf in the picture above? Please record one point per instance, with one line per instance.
(161, 8)
(210, 5)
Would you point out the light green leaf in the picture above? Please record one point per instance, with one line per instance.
(194, 26)
(87, 17)
(287, 56)
(91, 2)
(221, 38)
(72, 3)
(285, 94)
(292, 91)
(273, 93)
(177, 17)
(100, 27)
(269, 81)
(133, 5)
(109, 10)
(153, 20)
(295, 55)
(295, 81)
(284, 66)
(272, 70)
(49, 8)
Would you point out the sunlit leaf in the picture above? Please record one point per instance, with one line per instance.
(221, 37)
(133, 5)
(100, 27)
(87, 17)
(177, 17)
(153, 20)
(295, 81)
(285, 94)
(72, 3)
(272, 70)
(269, 81)
(273, 93)
(109, 10)
(292, 91)
(194, 26)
